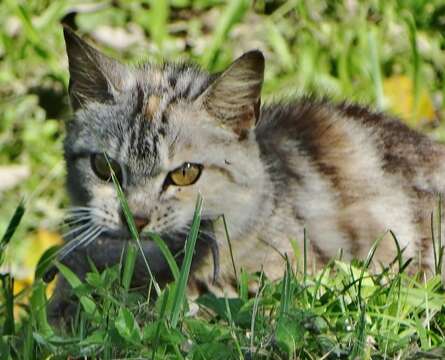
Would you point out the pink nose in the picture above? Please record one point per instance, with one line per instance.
(140, 222)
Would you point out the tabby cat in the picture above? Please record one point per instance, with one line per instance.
(344, 173)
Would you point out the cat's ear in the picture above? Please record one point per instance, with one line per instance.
(94, 77)
(234, 97)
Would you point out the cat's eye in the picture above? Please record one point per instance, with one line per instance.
(186, 174)
(102, 168)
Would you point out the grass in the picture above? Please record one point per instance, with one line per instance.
(388, 54)
(343, 311)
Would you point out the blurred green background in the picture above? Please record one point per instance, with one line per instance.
(389, 54)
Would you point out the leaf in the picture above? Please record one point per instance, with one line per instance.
(96, 338)
(87, 302)
(205, 332)
(127, 326)
(289, 334)
(45, 261)
(158, 331)
(399, 96)
(213, 350)
(38, 307)
(218, 305)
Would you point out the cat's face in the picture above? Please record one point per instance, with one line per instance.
(170, 133)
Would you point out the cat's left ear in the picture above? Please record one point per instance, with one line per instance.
(234, 98)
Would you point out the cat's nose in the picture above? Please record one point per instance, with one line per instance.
(140, 222)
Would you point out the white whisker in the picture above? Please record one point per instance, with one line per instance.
(77, 212)
(92, 238)
(74, 243)
(76, 229)
(79, 208)
(78, 219)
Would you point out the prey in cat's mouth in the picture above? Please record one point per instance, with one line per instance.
(105, 249)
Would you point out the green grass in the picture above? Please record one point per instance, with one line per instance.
(345, 49)
(343, 311)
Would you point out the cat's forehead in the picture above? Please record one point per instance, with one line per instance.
(138, 129)
(173, 80)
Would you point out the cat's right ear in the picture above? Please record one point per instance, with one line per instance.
(94, 77)
(233, 99)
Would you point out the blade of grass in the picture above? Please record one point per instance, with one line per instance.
(186, 265)
(280, 46)
(167, 254)
(233, 328)
(256, 303)
(359, 345)
(233, 13)
(305, 244)
(161, 320)
(131, 252)
(226, 230)
(244, 285)
(412, 31)
(28, 346)
(87, 302)
(376, 73)
(131, 257)
(12, 227)
(286, 289)
(159, 13)
(8, 294)
(38, 309)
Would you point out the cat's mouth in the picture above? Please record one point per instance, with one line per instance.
(107, 251)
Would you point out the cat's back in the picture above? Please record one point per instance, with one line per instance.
(331, 134)
(352, 174)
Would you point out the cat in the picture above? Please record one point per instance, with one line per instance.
(344, 173)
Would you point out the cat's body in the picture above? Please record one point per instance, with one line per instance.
(343, 173)
(347, 175)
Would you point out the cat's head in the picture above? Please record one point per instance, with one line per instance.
(170, 132)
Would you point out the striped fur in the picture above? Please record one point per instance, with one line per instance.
(343, 172)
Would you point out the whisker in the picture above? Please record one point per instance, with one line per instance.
(74, 243)
(75, 216)
(78, 212)
(79, 208)
(92, 238)
(77, 219)
(76, 229)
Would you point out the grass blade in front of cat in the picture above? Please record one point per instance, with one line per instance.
(186, 265)
(131, 255)
(167, 254)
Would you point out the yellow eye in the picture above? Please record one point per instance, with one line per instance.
(101, 168)
(186, 174)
